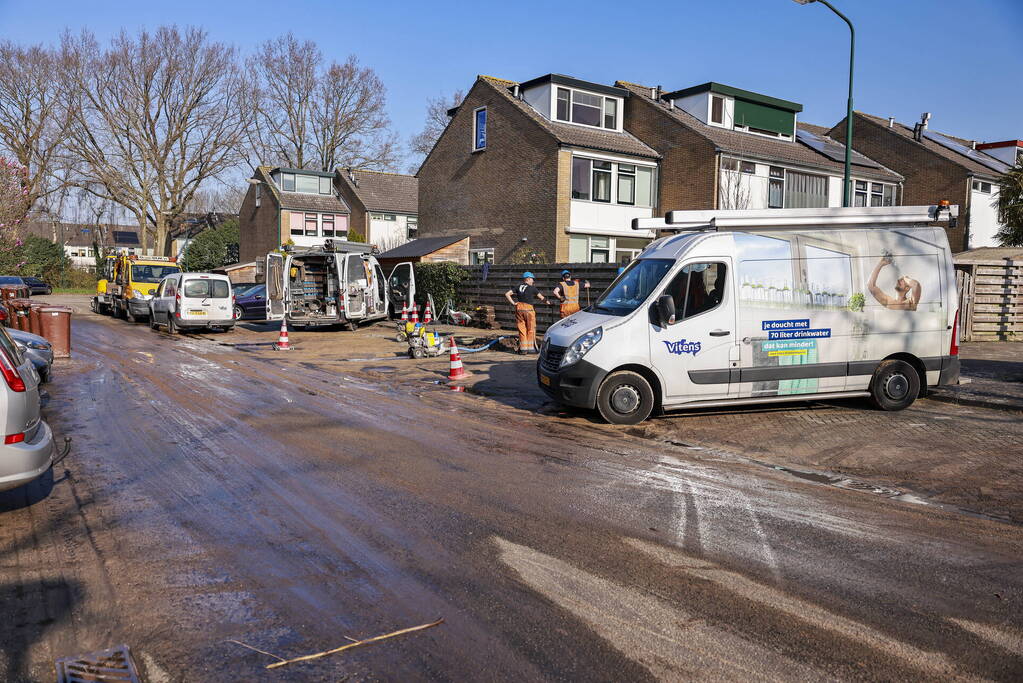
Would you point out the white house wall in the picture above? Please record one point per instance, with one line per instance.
(756, 185)
(539, 98)
(389, 234)
(984, 223)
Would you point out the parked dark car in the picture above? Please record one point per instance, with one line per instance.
(13, 280)
(250, 304)
(37, 286)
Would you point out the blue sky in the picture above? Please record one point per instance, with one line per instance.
(962, 60)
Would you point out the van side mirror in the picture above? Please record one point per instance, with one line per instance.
(666, 310)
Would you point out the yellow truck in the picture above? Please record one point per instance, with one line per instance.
(128, 284)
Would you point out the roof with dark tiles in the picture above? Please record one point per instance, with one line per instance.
(906, 132)
(380, 191)
(760, 147)
(571, 134)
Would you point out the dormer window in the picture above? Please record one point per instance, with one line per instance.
(306, 183)
(717, 110)
(586, 109)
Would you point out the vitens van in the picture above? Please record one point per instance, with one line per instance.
(340, 283)
(751, 306)
(189, 301)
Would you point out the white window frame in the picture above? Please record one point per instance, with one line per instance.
(978, 186)
(619, 107)
(475, 131)
(474, 256)
(411, 226)
(615, 163)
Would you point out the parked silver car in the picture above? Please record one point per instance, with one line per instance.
(37, 349)
(27, 450)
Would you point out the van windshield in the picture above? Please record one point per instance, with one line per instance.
(152, 273)
(632, 287)
(202, 289)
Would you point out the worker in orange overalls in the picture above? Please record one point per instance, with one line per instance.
(567, 293)
(524, 298)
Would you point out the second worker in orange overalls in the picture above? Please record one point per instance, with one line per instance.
(567, 291)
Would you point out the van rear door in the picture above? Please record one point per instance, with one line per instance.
(205, 298)
(403, 285)
(276, 287)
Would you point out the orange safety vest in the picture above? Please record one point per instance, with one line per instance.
(570, 292)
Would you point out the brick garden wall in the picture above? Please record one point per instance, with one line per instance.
(504, 277)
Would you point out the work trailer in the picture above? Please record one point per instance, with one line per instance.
(340, 283)
(762, 306)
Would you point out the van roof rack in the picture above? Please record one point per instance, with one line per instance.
(757, 219)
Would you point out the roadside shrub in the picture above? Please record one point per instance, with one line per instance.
(440, 280)
(211, 248)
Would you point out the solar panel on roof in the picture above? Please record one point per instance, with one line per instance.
(979, 157)
(832, 150)
(125, 237)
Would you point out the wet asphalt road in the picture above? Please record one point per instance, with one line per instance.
(215, 494)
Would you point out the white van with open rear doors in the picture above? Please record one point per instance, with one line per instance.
(340, 283)
(193, 301)
(753, 306)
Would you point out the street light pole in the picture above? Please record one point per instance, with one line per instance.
(847, 180)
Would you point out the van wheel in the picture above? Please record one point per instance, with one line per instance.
(625, 398)
(128, 315)
(895, 385)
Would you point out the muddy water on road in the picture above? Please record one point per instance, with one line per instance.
(238, 495)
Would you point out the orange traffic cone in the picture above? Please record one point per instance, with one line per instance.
(404, 312)
(427, 316)
(415, 313)
(282, 341)
(457, 371)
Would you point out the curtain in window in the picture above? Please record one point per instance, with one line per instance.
(805, 191)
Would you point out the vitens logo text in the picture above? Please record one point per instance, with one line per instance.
(682, 346)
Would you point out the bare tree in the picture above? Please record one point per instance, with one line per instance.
(222, 199)
(311, 116)
(33, 124)
(734, 191)
(154, 117)
(436, 121)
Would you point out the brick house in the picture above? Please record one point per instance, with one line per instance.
(541, 170)
(283, 204)
(384, 206)
(936, 167)
(726, 148)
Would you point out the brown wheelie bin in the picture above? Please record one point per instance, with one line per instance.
(20, 310)
(56, 327)
(34, 325)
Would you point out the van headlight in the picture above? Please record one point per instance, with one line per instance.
(140, 295)
(581, 346)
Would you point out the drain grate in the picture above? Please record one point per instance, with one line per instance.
(105, 666)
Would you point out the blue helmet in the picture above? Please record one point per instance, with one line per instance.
(565, 272)
(527, 274)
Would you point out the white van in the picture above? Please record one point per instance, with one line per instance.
(189, 301)
(755, 306)
(340, 283)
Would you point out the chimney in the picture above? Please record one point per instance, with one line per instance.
(891, 121)
(671, 104)
(653, 93)
(924, 118)
(515, 91)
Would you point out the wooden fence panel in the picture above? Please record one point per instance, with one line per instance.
(990, 300)
(501, 278)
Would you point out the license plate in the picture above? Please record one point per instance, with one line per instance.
(544, 379)
(195, 312)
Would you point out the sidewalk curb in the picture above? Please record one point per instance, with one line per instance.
(956, 399)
